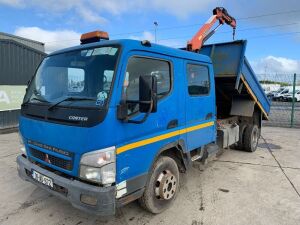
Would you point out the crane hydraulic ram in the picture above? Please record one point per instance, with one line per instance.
(219, 14)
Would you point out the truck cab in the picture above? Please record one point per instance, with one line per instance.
(112, 121)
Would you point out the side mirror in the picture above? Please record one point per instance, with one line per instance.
(147, 93)
(147, 100)
(122, 110)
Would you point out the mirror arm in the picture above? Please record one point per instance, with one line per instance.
(144, 118)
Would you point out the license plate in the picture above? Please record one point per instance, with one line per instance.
(42, 179)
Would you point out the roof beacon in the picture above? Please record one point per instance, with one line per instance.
(94, 36)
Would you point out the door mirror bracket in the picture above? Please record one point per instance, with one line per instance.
(147, 100)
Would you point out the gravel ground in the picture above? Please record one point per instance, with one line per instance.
(236, 188)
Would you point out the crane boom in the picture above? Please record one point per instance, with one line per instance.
(219, 14)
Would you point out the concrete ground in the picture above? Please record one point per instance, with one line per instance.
(236, 188)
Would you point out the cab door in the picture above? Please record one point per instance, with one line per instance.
(166, 119)
(200, 104)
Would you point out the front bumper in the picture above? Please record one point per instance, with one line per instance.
(72, 190)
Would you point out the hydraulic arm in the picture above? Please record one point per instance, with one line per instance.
(219, 14)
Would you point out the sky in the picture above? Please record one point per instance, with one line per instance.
(271, 27)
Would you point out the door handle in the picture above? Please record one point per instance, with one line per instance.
(172, 124)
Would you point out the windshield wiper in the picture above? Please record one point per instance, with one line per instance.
(70, 99)
(37, 99)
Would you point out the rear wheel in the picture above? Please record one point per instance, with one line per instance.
(251, 137)
(162, 187)
(240, 143)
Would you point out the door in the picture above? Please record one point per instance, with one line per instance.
(138, 160)
(200, 104)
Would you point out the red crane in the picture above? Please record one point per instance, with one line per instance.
(219, 14)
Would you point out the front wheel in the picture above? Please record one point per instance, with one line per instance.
(162, 186)
(251, 137)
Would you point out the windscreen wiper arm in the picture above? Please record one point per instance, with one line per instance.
(69, 99)
(37, 99)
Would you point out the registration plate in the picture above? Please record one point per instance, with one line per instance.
(42, 179)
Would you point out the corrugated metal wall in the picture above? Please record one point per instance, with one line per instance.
(30, 43)
(18, 63)
(9, 119)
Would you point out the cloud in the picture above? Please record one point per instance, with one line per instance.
(53, 40)
(94, 10)
(59, 39)
(286, 12)
(90, 16)
(183, 9)
(273, 64)
(13, 3)
(147, 35)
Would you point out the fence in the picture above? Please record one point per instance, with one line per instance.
(283, 91)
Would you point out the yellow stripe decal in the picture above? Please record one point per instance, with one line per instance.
(163, 137)
(254, 97)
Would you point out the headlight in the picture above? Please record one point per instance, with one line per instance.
(99, 166)
(22, 146)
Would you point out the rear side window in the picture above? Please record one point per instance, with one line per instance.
(198, 79)
(138, 66)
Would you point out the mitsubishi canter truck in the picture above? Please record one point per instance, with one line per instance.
(112, 121)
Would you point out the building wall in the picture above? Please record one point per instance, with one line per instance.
(29, 43)
(18, 63)
(9, 119)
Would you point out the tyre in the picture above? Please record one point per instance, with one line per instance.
(251, 137)
(240, 143)
(162, 186)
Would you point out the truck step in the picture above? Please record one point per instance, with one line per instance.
(208, 151)
(196, 157)
(197, 154)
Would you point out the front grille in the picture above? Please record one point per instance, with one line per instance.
(53, 160)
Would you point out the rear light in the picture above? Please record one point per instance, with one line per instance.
(94, 36)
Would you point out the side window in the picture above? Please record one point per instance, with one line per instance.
(198, 79)
(138, 66)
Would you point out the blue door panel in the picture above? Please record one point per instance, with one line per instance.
(200, 137)
(199, 109)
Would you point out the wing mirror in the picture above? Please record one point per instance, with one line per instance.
(147, 100)
(148, 94)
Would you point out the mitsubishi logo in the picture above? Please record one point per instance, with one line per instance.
(47, 160)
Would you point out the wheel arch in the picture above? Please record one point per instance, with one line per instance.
(177, 151)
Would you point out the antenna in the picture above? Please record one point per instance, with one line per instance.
(155, 29)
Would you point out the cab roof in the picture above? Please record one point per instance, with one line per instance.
(129, 45)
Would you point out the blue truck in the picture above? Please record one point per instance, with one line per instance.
(111, 121)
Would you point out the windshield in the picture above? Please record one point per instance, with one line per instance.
(77, 78)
